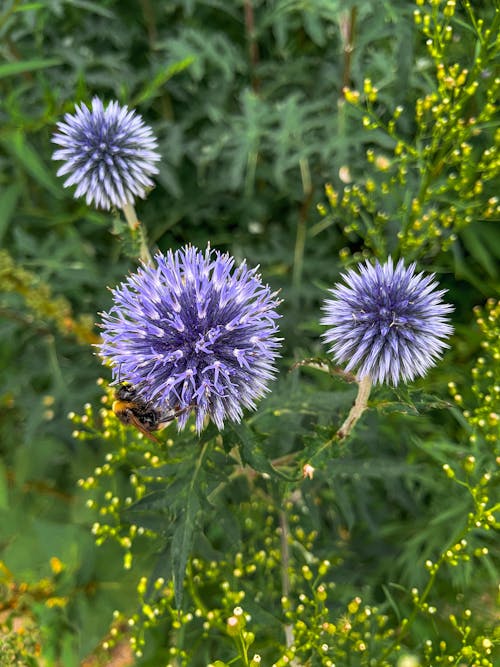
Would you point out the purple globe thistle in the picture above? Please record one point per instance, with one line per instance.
(387, 323)
(109, 154)
(193, 331)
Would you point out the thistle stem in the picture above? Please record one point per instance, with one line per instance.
(135, 226)
(360, 405)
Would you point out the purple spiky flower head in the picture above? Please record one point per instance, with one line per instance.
(387, 322)
(109, 154)
(193, 332)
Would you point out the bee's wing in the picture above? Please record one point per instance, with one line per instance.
(140, 427)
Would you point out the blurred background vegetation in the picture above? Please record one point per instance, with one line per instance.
(256, 110)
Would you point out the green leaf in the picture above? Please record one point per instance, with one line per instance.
(411, 403)
(8, 202)
(94, 8)
(18, 67)
(344, 502)
(391, 601)
(482, 249)
(184, 530)
(152, 88)
(252, 454)
(3, 487)
(151, 501)
(17, 145)
(182, 543)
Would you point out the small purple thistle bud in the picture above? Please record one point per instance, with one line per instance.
(108, 153)
(193, 332)
(387, 323)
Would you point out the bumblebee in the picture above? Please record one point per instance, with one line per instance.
(130, 409)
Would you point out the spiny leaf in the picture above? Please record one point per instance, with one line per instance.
(252, 454)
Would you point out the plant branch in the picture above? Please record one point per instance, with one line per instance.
(360, 405)
(347, 25)
(135, 227)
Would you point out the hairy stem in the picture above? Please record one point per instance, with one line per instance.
(360, 405)
(135, 226)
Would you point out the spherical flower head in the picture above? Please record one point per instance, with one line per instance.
(385, 322)
(193, 332)
(109, 154)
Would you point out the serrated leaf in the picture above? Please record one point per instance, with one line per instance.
(151, 501)
(166, 470)
(160, 524)
(252, 454)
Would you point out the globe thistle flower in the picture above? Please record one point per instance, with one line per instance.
(191, 331)
(108, 153)
(387, 323)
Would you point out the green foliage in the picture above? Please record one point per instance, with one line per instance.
(274, 542)
(427, 183)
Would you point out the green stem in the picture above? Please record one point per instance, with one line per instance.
(135, 226)
(347, 24)
(285, 563)
(360, 405)
(242, 649)
(300, 238)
